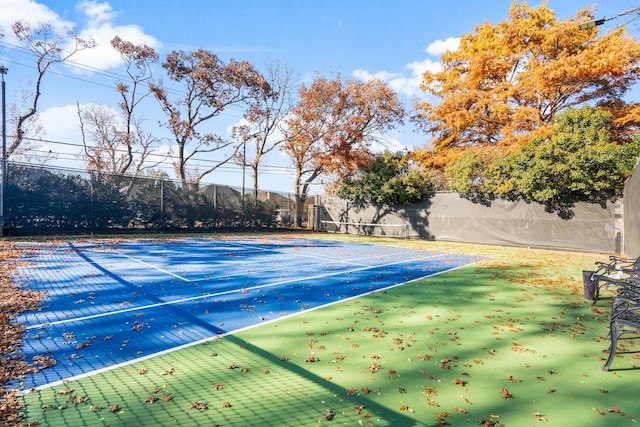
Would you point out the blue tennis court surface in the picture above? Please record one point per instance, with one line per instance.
(111, 302)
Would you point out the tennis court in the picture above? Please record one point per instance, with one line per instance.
(110, 303)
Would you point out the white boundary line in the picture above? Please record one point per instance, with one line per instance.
(203, 340)
(230, 291)
(151, 266)
(258, 248)
(351, 261)
(243, 246)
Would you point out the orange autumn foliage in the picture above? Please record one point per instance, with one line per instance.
(506, 82)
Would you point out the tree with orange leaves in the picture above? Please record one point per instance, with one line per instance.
(332, 127)
(507, 82)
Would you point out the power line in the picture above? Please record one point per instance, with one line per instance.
(197, 161)
(596, 22)
(233, 111)
(104, 73)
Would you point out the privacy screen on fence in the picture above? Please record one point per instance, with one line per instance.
(53, 201)
(45, 200)
(632, 214)
(447, 216)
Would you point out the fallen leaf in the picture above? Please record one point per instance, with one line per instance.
(506, 394)
(459, 381)
(540, 417)
(329, 415)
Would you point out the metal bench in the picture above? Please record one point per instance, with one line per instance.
(624, 318)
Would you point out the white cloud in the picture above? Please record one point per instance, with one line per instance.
(409, 85)
(97, 13)
(438, 47)
(100, 27)
(103, 56)
(61, 123)
(366, 76)
(418, 68)
(242, 122)
(31, 12)
(385, 144)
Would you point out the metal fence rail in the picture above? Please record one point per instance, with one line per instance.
(44, 200)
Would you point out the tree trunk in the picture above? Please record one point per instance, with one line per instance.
(299, 200)
(299, 210)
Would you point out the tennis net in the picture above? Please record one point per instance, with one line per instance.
(362, 229)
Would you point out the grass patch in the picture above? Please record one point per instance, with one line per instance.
(509, 341)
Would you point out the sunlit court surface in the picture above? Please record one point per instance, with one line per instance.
(110, 303)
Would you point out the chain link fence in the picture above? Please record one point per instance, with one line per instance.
(45, 200)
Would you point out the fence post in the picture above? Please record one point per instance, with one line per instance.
(92, 202)
(314, 227)
(619, 225)
(162, 204)
(3, 166)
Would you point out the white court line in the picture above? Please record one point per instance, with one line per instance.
(220, 276)
(231, 291)
(243, 246)
(296, 267)
(350, 261)
(154, 267)
(300, 254)
(204, 340)
(256, 271)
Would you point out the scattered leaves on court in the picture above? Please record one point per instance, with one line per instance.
(410, 354)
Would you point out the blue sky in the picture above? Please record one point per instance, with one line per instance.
(395, 40)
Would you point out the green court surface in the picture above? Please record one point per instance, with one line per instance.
(508, 341)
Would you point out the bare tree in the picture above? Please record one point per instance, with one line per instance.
(32, 127)
(148, 145)
(210, 86)
(106, 145)
(138, 59)
(262, 122)
(99, 128)
(49, 48)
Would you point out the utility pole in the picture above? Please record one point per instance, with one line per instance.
(3, 187)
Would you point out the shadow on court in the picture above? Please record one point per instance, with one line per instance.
(109, 304)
